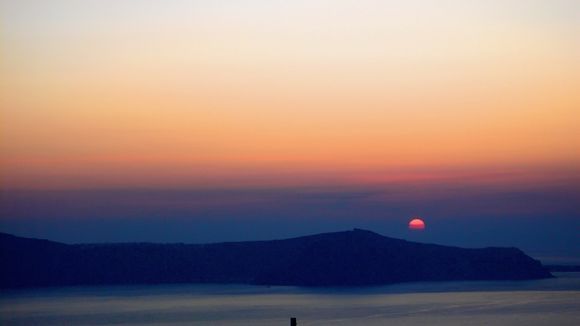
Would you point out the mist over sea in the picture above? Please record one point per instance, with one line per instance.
(537, 302)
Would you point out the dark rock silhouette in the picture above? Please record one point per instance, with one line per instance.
(350, 258)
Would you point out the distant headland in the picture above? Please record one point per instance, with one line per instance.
(349, 258)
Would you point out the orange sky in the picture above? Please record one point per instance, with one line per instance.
(190, 93)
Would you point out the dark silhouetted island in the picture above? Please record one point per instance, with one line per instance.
(350, 258)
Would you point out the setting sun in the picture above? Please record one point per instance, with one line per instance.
(416, 224)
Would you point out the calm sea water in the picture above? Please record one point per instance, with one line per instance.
(543, 302)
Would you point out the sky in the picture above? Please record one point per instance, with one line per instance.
(204, 121)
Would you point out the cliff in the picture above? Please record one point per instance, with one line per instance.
(350, 258)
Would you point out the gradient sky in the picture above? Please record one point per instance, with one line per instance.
(142, 118)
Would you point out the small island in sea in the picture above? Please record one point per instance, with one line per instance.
(349, 258)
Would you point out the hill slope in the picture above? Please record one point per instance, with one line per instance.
(347, 258)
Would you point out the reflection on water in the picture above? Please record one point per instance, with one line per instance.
(543, 302)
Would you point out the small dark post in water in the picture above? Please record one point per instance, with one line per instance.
(293, 321)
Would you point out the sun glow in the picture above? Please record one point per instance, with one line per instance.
(417, 224)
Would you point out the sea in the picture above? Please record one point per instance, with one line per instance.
(550, 302)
